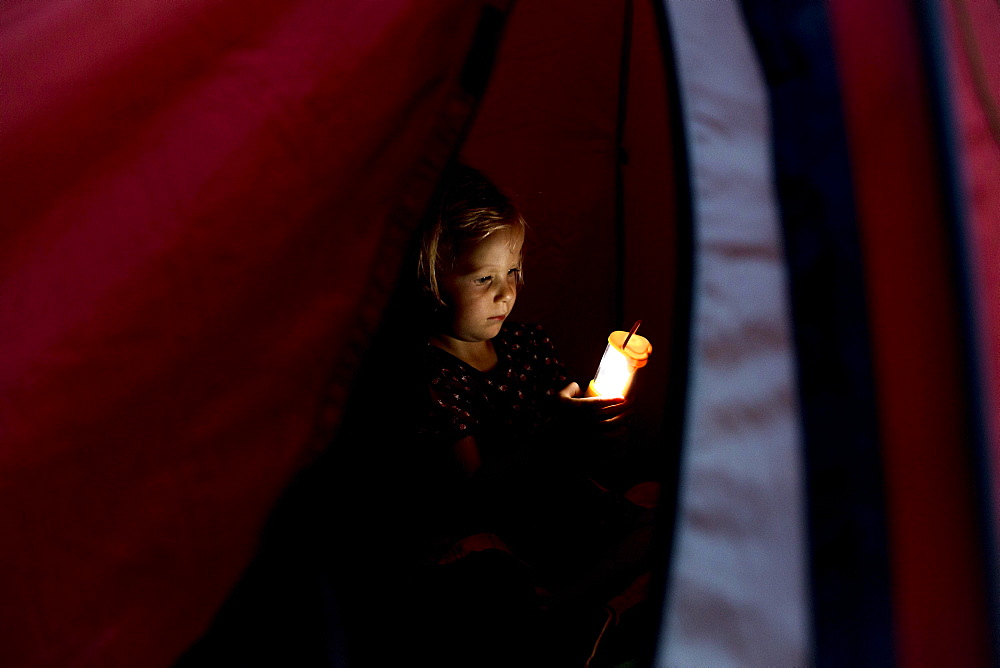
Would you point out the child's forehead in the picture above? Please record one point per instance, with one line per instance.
(500, 247)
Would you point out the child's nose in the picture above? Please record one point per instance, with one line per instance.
(506, 291)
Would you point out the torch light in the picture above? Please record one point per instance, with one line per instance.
(625, 353)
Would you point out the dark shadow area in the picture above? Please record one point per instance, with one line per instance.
(338, 579)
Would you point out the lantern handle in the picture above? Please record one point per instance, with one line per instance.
(631, 332)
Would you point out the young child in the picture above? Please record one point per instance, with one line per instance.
(471, 269)
(512, 527)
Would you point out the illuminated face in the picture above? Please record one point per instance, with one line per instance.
(481, 289)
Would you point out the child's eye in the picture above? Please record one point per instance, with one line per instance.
(482, 280)
(514, 271)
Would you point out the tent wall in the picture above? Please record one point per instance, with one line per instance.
(203, 207)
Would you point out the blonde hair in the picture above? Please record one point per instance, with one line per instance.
(470, 209)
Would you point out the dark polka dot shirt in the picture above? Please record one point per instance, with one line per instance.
(514, 398)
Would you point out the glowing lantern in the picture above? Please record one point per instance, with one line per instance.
(625, 353)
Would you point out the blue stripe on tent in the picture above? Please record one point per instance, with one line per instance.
(848, 529)
(738, 575)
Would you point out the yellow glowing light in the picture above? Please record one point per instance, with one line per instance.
(617, 368)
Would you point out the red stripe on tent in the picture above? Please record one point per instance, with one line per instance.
(975, 41)
(937, 564)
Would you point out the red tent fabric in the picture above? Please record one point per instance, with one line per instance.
(935, 534)
(203, 208)
(205, 205)
(974, 32)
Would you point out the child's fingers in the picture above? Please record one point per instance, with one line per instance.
(570, 391)
(615, 428)
(598, 411)
(616, 431)
(614, 410)
(598, 402)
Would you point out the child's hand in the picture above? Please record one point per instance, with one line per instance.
(604, 412)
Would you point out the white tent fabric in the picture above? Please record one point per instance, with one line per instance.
(737, 592)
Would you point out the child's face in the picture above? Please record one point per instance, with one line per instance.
(481, 290)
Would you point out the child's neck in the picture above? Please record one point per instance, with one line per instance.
(479, 355)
